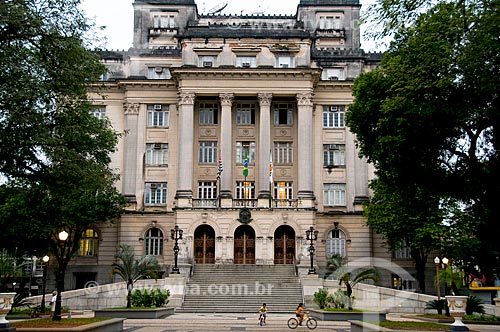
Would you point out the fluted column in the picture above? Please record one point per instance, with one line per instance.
(226, 100)
(186, 137)
(131, 111)
(305, 149)
(264, 146)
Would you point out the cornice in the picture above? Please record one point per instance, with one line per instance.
(252, 73)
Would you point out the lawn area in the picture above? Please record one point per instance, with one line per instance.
(49, 323)
(415, 326)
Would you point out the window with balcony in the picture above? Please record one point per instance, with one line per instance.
(89, 243)
(245, 113)
(155, 193)
(332, 21)
(159, 73)
(156, 154)
(153, 242)
(245, 190)
(333, 155)
(334, 194)
(157, 116)
(333, 116)
(245, 150)
(283, 153)
(283, 113)
(207, 190)
(208, 113)
(246, 61)
(283, 191)
(163, 21)
(207, 152)
(336, 243)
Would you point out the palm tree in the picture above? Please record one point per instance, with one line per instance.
(336, 266)
(132, 269)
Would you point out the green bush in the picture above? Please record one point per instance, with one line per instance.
(320, 298)
(339, 299)
(438, 305)
(150, 298)
(488, 318)
(474, 304)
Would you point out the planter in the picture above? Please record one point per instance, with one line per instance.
(348, 315)
(111, 325)
(6, 300)
(152, 313)
(457, 305)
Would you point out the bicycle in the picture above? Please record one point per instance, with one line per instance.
(311, 322)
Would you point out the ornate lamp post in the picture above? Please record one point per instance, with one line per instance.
(311, 235)
(62, 236)
(45, 260)
(176, 235)
(438, 286)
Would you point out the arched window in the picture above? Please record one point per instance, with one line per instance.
(336, 243)
(89, 243)
(154, 242)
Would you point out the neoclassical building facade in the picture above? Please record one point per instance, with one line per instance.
(233, 130)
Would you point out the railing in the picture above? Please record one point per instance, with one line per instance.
(285, 203)
(238, 203)
(204, 203)
(209, 203)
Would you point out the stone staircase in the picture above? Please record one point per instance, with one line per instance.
(242, 289)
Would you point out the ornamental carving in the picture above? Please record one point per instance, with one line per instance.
(226, 99)
(265, 99)
(131, 108)
(305, 99)
(186, 98)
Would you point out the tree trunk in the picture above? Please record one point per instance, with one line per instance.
(129, 294)
(420, 260)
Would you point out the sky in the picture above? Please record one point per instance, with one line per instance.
(117, 16)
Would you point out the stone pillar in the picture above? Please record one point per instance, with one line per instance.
(186, 136)
(226, 183)
(131, 111)
(359, 174)
(264, 149)
(305, 150)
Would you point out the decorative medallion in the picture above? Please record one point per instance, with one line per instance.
(245, 216)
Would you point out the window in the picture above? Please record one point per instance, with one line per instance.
(155, 193)
(283, 114)
(157, 115)
(245, 114)
(333, 155)
(245, 150)
(163, 21)
(283, 190)
(159, 73)
(333, 116)
(333, 74)
(245, 190)
(207, 153)
(402, 251)
(334, 194)
(153, 242)
(283, 153)
(330, 22)
(99, 112)
(206, 61)
(336, 243)
(89, 243)
(208, 113)
(246, 61)
(285, 62)
(156, 154)
(207, 190)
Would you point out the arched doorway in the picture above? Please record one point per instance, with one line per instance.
(204, 245)
(244, 245)
(284, 245)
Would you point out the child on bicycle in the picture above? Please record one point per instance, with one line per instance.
(299, 313)
(263, 312)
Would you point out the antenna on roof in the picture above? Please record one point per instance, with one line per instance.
(218, 8)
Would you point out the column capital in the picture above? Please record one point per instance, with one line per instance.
(186, 98)
(265, 99)
(305, 98)
(131, 108)
(226, 99)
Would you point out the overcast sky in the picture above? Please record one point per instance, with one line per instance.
(117, 16)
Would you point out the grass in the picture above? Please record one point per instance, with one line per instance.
(415, 326)
(342, 310)
(133, 308)
(49, 323)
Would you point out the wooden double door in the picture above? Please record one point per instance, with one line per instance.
(284, 245)
(204, 245)
(244, 245)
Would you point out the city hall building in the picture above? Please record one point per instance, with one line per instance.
(234, 130)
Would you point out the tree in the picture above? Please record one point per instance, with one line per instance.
(131, 269)
(428, 118)
(336, 266)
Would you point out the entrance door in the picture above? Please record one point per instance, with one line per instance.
(244, 245)
(284, 245)
(204, 245)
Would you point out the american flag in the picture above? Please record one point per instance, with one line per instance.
(219, 167)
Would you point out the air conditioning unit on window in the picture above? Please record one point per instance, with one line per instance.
(157, 107)
(333, 78)
(153, 185)
(245, 64)
(208, 64)
(157, 146)
(284, 65)
(333, 108)
(332, 147)
(159, 70)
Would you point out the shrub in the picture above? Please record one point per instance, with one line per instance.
(150, 298)
(474, 304)
(339, 299)
(320, 298)
(439, 305)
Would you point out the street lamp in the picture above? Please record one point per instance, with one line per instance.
(176, 235)
(62, 236)
(45, 260)
(438, 286)
(311, 235)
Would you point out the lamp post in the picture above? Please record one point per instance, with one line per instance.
(45, 260)
(176, 235)
(445, 262)
(311, 235)
(438, 286)
(62, 236)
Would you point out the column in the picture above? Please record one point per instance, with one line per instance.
(264, 148)
(186, 136)
(226, 183)
(305, 149)
(131, 111)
